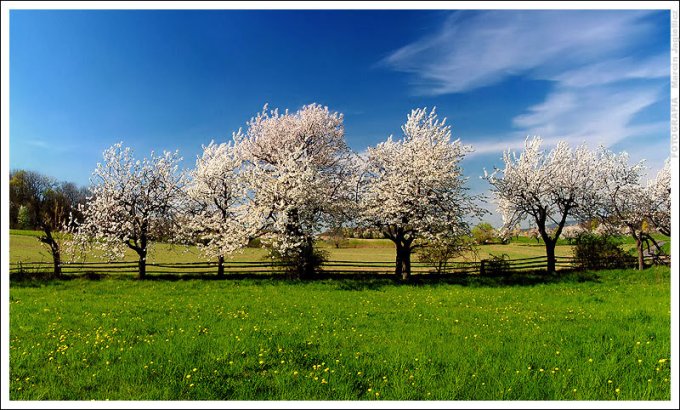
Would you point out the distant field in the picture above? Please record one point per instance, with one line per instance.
(603, 336)
(25, 247)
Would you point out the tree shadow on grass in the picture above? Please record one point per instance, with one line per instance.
(342, 281)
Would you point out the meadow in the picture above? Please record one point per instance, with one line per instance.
(576, 336)
(26, 248)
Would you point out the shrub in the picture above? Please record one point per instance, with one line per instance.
(593, 251)
(301, 264)
(497, 265)
(484, 233)
(438, 254)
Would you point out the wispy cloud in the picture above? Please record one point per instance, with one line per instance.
(600, 80)
(473, 50)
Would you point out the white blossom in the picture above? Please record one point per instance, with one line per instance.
(659, 191)
(132, 202)
(298, 171)
(216, 201)
(413, 188)
(622, 199)
(548, 188)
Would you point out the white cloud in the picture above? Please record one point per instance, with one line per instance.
(600, 83)
(479, 49)
(602, 115)
(610, 71)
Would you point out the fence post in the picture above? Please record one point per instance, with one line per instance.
(482, 269)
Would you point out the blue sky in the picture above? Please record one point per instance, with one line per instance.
(83, 80)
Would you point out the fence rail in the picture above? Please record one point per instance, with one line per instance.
(483, 267)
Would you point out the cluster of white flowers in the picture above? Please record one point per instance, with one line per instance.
(625, 202)
(298, 171)
(580, 183)
(413, 189)
(659, 190)
(573, 231)
(216, 199)
(547, 187)
(132, 202)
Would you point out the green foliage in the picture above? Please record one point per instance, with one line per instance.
(593, 251)
(484, 234)
(254, 243)
(121, 339)
(24, 218)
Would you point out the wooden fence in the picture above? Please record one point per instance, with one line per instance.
(494, 266)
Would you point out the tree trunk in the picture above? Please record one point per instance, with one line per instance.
(307, 265)
(56, 258)
(142, 265)
(398, 265)
(550, 253)
(220, 267)
(48, 239)
(641, 252)
(141, 251)
(406, 261)
(403, 261)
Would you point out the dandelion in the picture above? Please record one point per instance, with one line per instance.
(188, 376)
(609, 381)
(618, 390)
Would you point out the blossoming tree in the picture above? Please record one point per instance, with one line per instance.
(624, 200)
(548, 188)
(659, 212)
(132, 202)
(216, 201)
(298, 171)
(413, 190)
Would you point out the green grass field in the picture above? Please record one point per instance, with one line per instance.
(579, 338)
(570, 337)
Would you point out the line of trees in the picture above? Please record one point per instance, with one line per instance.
(290, 176)
(549, 188)
(284, 179)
